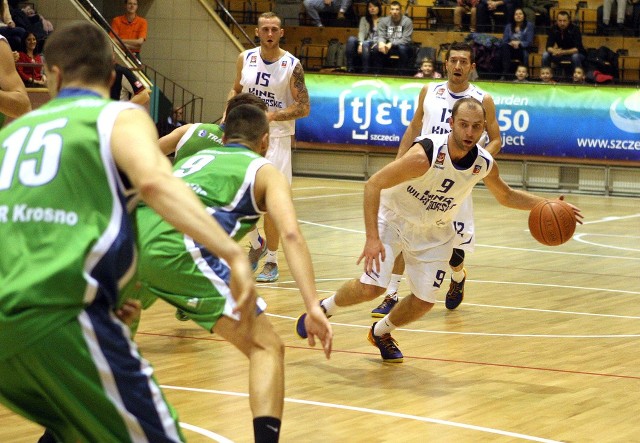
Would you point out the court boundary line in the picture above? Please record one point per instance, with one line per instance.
(376, 412)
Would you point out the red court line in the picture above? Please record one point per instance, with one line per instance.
(443, 360)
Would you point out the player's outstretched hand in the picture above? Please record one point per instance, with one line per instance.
(373, 253)
(129, 311)
(317, 325)
(576, 211)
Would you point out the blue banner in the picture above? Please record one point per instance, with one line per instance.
(535, 119)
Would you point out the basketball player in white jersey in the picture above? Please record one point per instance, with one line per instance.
(277, 77)
(409, 207)
(432, 114)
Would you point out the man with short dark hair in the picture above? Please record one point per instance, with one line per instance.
(564, 42)
(237, 185)
(395, 33)
(130, 27)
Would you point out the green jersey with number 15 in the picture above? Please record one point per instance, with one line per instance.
(65, 237)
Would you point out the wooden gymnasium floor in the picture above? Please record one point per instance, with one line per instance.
(544, 347)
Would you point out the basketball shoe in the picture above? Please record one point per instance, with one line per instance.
(385, 307)
(301, 330)
(387, 345)
(180, 315)
(456, 293)
(256, 254)
(269, 273)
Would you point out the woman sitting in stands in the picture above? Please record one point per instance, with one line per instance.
(360, 47)
(30, 73)
(516, 40)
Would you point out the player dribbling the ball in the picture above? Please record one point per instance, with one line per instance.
(423, 190)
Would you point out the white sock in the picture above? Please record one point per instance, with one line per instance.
(329, 305)
(254, 238)
(272, 256)
(384, 326)
(394, 284)
(457, 276)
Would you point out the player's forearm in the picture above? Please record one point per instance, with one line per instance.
(299, 260)
(517, 199)
(14, 103)
(135, 44)
(509, 197)
(232, 93)
(407, 140)
(142, 98)
(295, 111)
(494, 147)
(371, 207)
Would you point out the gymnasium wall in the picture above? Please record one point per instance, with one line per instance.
(184, 44)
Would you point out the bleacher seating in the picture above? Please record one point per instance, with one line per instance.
(429, 34)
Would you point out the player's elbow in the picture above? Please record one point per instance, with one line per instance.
(152, 187)
(306, 109)
(20, 107)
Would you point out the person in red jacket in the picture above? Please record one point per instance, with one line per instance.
(28, 61)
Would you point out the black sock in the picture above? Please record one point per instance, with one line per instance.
(47, 437)
(266, 429)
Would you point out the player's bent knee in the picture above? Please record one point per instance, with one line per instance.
(370, 292)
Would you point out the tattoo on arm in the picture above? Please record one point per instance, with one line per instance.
(300, 108)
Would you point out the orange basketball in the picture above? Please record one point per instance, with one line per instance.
(552, 222)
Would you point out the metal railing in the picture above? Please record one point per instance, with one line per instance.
(169, 100)
(167, 97)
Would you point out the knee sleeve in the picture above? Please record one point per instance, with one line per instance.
(457, 258)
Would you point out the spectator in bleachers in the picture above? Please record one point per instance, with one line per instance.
(14, 34)
(427, 70)
(131, 28)
(315, 7)
(516, 40)
(34, 22)
(462, 8)
(127, 87)
(487, 10)
(579, 77)
(635, 17)
(394, 38)
(546, 76)
(606, 16)
(564, 42)
(541, 7)
(177, 118)
(522, 74)
(31, 75)
(367, 38)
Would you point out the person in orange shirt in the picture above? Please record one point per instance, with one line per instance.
(131, 28)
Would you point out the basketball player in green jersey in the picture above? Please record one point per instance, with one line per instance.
(66, 361)
(189, 139)
(237, 185)
(14, 100)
